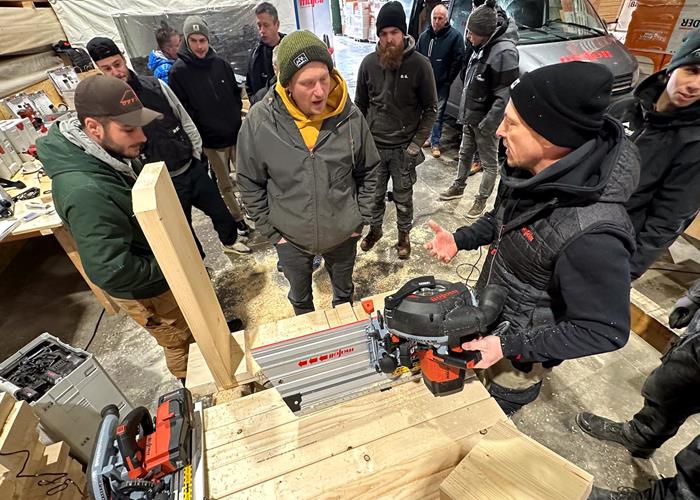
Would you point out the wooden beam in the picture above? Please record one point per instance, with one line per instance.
(509, 466)
(649, 321)
(160, 215)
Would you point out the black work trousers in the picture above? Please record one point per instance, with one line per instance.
(401, 168)
(685, 485)
(297, 265)
(195, 188)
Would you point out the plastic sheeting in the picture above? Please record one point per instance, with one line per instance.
(28, 31)
(20, 72)
(132, 25)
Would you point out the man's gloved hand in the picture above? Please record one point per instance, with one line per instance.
(682, 313)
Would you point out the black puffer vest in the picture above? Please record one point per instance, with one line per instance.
(523, 256)
(166, 139)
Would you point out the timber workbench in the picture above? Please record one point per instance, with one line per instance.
(397, 443)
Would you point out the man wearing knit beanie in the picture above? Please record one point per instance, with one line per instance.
(490, 71)
(207, 87)
(396, 93)
(307, 169)
(662, 117)
(559, 235)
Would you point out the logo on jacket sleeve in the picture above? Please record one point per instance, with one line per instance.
(300, 60)
(527, 233)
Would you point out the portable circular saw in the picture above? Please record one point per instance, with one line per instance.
(424, 325)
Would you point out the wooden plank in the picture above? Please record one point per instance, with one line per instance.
(381, 467)
(332, 318)
(18, 433)
(159, 212)
(693, 230)
(284, 448)
(346, 314)
(649, 321)
(65, 239)
(7, 402)
(230, 413)
(200, 381)
(510, 465)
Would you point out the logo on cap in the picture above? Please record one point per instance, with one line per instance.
(300, 60)
(128, 98)
(195, 27)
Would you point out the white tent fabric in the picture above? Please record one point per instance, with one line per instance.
(23, 71)
(27, 31)
(84, 19)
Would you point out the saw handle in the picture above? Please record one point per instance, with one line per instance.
(409, 287)
(467, 359)
(136, 423)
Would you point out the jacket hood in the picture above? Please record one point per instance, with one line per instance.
(649, 90)
(65, 140)
(409, 46)
(506, 29)
(156, 58)
(186, 55)
(605, 168)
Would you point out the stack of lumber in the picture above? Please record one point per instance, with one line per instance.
(19, 432)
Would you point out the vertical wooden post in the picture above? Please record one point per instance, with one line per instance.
(160, 215)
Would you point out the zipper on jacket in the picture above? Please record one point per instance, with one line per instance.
(430, 47)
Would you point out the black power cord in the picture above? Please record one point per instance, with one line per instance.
(474, 267)
(56, 485)
(94, 331)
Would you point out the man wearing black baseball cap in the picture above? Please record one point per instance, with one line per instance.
(90, 157)
(174, 139)
(560, 239)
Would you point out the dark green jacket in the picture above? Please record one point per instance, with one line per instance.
(94, 201)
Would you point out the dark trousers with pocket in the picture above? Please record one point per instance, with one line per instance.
(297, 265)
(671, 392)
(195, 188)
(685, 485)
(398, 166)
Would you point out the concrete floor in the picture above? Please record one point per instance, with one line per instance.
(43, 292)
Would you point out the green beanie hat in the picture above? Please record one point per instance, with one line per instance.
(688, 53)
(298, 49)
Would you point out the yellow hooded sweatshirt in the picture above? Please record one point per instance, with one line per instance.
(310, 127)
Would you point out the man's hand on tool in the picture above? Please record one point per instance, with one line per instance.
(490, 348)
(443, 246)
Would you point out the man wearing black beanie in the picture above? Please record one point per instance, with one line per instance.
(560, 239)
(663, 119)
(396, 94)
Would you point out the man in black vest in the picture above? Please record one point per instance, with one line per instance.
(174, 140)
(560, 238)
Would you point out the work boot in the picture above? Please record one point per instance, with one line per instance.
(453, 192)
(374, 235)
(477, 208)
(404, 245)
(238, 248)
(607, 430)
(475, 168)
(435, 151)
(243, 230)
(623, 493)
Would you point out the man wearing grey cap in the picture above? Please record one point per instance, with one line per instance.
(90, 157)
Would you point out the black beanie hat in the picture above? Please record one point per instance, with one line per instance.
(483, 20)
(391, 15)
(564, 102)
(688, 53)
(101, 48)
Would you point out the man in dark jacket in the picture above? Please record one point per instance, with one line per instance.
(560, 239)
(307, 169)
(443, 45)
(663, 120)
(396, 94)
(91, 160)
(492, 67)
(670, 398)
(174, 140)
(260, 68)
(207, 87)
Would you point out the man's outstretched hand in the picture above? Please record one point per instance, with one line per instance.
(443, 246)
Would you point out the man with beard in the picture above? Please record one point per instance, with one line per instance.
(559, 235)
(260, 67)
(443, 45)
(207, 87)
(175, 141)
(663, 119)
(396, 93)
(90, 157)
(492, 67)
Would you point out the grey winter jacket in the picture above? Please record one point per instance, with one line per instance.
(400, 105)
(316, 198)
(491, 69)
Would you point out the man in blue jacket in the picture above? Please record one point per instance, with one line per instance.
(444, 46)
